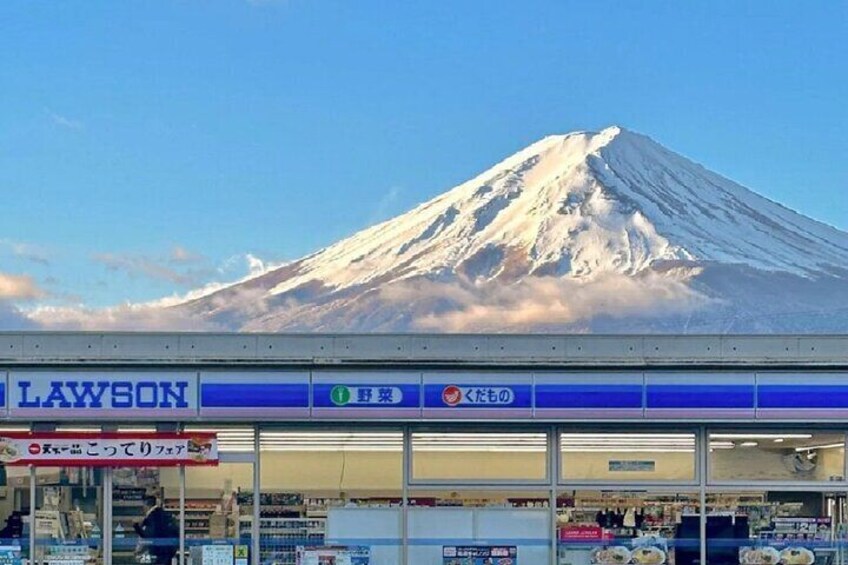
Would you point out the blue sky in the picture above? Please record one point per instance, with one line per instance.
(146, 148)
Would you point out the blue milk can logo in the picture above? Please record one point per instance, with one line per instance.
(103, 394)
(344, 395)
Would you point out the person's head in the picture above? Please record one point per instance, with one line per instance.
(149, 502)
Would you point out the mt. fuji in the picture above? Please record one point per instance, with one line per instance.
(605, 232)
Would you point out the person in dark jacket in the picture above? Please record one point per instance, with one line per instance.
(14, 527)
(158, 527)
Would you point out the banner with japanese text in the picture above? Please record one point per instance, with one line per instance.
(71, 449)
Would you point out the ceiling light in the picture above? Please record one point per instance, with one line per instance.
(824, 446)
(760, 436)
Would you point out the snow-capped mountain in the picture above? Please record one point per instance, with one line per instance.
(604, 231)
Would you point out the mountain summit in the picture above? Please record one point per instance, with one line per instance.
(605, 231)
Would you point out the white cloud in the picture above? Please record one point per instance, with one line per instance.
(13, 319)
(257, 266)
(135, 317)
(161, 314)
(544, 301)
(13, 289)
(19, 287)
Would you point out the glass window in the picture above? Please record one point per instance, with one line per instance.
(68, 515)
(218, 508)
(14, 508)
(628, 457)
(329, 493)
(479, 456)
(219, 499)
(776, 456)
(506, 524)
(787, 527)
(606, 527)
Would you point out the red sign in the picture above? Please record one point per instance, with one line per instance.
(71, 449)
(582, 533)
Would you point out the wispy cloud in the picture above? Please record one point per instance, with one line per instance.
(181, 256)
(71, 314)
(64, 121)
(387, 205)
(255, 265)
(169, 269)
(27, 251)
(267, 2)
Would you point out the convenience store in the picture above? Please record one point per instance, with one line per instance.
(424, 450)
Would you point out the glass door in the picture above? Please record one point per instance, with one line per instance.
(14, 510)
(145, 517)
(218, 512)
(68, 524)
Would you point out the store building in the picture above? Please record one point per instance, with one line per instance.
(423, 450)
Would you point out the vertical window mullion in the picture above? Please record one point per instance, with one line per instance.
(553, 479)
(703, 460)
(32, 478)
(254, 529)
(182, 514)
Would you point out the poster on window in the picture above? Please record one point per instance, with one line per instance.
(647, 550)
(792, 555)
(72, 449)
(480, 555)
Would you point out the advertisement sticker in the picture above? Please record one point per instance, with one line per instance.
(72, 449)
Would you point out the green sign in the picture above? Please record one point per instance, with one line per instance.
(340, 395)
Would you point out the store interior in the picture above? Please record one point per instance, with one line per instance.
(771, 497)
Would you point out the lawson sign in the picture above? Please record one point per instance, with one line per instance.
(93, 395)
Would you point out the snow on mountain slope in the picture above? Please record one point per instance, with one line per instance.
(571, 229)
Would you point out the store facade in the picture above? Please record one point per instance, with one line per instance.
(423, 450)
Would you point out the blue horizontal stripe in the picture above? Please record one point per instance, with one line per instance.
(588, 396)
(254, 395)
(189, 542)
(480, 542)
(700, 396)
(522, 396)
(802, 396)
(390, 542)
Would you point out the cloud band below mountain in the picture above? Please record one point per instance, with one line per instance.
(542, 302)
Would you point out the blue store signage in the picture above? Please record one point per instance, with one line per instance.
(581, 396)
(102, 394)
(254, 394)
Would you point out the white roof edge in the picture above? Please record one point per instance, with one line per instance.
(334, 349)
